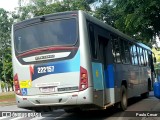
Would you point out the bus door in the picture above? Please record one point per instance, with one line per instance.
(98, 71)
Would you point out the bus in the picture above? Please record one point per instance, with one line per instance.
(71, 60)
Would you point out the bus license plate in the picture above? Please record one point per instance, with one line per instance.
(47, 89)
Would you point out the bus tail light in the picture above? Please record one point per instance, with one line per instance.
(83, 79)
(16, 85)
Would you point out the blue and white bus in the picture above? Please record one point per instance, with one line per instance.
(73, 60)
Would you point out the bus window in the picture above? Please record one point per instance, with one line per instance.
(134, 55)
(141, 56)
(116, 50)
(144, 56)
(122, 48)
(45, 34)
(146, 53)
(127, 53)
(138, 55)
(92, 41)
(131, 53)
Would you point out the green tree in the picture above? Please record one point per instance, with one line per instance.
(5, 45)
(7, 73)
(41, 7)
(138, 18)
(106, 13)
(66, 5)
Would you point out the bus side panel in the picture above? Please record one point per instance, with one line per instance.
(98, 83)
(97, 74)
(136, 84)
(85, 96)
(110, 84)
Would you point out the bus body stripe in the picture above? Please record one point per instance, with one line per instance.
(71, 65)
(109, 76)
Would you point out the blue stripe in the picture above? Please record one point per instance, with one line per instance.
(109, 76)
(72, 65)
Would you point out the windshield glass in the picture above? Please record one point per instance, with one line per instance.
(49, 33)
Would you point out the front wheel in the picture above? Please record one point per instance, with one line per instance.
(123, 102)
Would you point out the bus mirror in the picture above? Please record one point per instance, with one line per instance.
(155, 60)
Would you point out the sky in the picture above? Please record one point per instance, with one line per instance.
(8, 5)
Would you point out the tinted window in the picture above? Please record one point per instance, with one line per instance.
(116, 49)
(49, 33)
(92, 41)
(134, 55)
(127, 53)
(122, 47)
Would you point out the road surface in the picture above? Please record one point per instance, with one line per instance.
(137, 106)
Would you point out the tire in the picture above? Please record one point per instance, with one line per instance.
(124, 99)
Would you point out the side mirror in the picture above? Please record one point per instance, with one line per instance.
(154, 59)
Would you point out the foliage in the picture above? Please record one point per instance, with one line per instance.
(2, 86)
(66, 5)
(138, 18)
(5, 46)
(41, 7)
(106, 14)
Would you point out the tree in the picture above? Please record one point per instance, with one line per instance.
(106, 13)
(138, 18)
(5, 45)
(41, 7)
(7, 73)
(66, 5)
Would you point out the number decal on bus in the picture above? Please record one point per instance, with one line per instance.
(45, 69)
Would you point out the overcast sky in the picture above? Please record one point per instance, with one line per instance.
(8, 5)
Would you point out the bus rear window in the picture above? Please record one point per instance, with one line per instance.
(49, 33)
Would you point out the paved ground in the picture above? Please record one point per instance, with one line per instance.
(136, 105)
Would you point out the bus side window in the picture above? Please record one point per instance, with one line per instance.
(147, 60)
(138, 55)
(116, 49)
(141, 56)
(144, 58)
(92, 41)
(134, 55)
(122, 48)
(127, 54)
(131, 53)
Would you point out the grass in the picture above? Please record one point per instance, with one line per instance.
(7, 95)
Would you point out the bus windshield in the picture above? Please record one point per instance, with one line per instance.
(48, 33)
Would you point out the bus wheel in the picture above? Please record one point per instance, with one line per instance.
(123, 103)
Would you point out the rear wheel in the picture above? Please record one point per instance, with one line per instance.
(123, 103)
